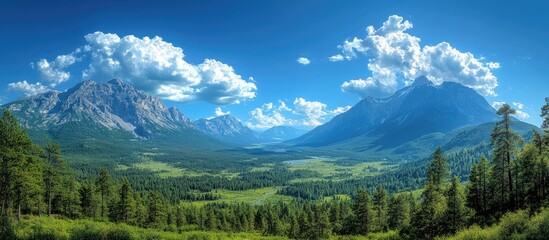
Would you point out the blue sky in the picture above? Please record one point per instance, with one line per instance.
(277, 62)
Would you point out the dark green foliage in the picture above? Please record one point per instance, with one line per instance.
(442, 209)
(157, 211)
(363, 212)
(428, 220)
(103, 185)
(456, 213)
(505, 143)
(53, 171)
(478, 196)
(545, 115)
(399, 212)
(125, 210)
(6, 230)
(380, 209)
(87, 200)
(15, 148)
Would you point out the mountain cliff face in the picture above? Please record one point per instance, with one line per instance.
(114, 105)
(228, 128)
(414, 111)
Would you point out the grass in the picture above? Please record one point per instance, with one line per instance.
(251, 196)
(330, 170)
(32, 227)
(339, 196)
(164, 170)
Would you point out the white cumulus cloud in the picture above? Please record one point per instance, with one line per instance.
(153, 65)
(219, 112)
(336, 58)
(519, 111)
(396, 58)
(26, 88)
(158, 67)
(303, 61)
(265, 117)
(305, 114)
(52, 72)
(340, 110)
(313, 111)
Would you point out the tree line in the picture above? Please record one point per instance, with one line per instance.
(36, 181)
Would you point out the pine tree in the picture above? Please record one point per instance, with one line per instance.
(427, 219)
(473, 189)
(399, 212)
(69, 197)
(14, 144)
(53, 172)
(104, 185)
(362, 212)
(87, 199)
(141, 216)
(156, 210)
(273, 222)
(322, 223)
(125, 208)
(478, 188)
(335, 216)
(306, 222)
(456, 212)
(293, 231)
(27, 182)
(380, 206)
(504, 142)
(181, 219)
(210, 221)
(545, 116)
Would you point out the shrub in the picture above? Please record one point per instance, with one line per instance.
(6, 230)
(118, 234)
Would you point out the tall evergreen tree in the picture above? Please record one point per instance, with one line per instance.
(156, 210)
(14, 146)
(53, 172)
(27, 182)
(545, 116)
(141, 216)
(181, 219)
(478, 188)
(104, 185)
(380, 207)
(322, 223)
(87, 199)
(504, 142)
(68, 200)
(427, 220)
(456, 212)
(399, 212)
(362, 212)
(335, 216)
(125, 208)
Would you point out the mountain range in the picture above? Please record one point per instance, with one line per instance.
(117, 106)
(410, 123)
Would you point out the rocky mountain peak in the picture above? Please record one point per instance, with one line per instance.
(114, 104)
(421, 81)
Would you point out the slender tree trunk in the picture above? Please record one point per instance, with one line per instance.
(18, 211)
(49, 203)
(5, 187)
(102, 205)
(509, 168)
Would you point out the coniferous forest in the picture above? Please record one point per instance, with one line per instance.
(505, 195)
